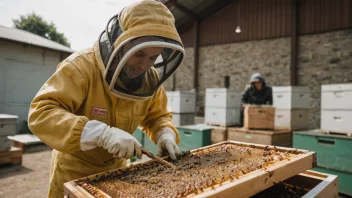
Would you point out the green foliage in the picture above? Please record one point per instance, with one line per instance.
(37, 25)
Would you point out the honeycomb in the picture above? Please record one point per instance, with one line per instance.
(195, 172)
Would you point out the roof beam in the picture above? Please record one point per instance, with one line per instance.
(183, 9)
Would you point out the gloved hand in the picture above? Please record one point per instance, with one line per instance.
(118, 142)
(166, 142)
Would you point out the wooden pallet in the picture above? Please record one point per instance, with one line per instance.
(220, 124)
(245, 186)
(348, 134)
(12, 156)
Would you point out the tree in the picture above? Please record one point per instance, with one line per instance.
(37, 25)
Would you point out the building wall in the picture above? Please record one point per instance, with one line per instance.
(23, 70)
(323, 59)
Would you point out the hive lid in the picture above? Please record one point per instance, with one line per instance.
(8, 117)
(336, 87)
(291, 89)
(220, 90)
(196, 127)
(180, 93)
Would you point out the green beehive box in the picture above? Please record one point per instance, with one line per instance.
(194, 136)
(149, 145)
(191, 136)
(333, 151)
(344, 179)
(139, 135)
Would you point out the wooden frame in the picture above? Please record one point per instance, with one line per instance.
(319, 184)
(246, 186)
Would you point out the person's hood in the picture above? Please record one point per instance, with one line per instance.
(257, 76)
(145, 18)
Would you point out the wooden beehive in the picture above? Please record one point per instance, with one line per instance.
(276, 137)
(306, 185)
(227, 169)
(259, 117)
(218, 134)
(12, 156)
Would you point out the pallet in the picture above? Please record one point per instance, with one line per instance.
(217, 124)
(339, 133)
(12, 156)
(276, 137)
(245, 186)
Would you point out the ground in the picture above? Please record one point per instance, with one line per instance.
(31, 179)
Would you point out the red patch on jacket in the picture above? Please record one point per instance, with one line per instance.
(100, 112)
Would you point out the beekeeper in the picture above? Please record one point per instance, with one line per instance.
(88, 109)
(258, 93)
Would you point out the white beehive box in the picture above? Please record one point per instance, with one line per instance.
(181, 119)
(8, 124)
(222, 97)
(7, 128)
(182, 101)
(291, 97)
(336, 96)
(294, 119)
(222, 116)
(336, 120)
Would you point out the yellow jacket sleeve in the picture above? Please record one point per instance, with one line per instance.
(51, 114)
(159, 116)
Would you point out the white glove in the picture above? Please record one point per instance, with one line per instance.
(166, 142)
(118, 142)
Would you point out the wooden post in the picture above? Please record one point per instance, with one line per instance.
(294, 41)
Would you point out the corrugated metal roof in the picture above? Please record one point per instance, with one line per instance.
(201, 9)
(22, 36)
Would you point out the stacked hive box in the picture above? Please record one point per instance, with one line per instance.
(292, 107)
(336, 108)
(7, 128)
(333, 142)
(222, 107)
(183, 105)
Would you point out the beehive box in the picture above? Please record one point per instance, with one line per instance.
(294, 119)
(306, 185)
(291, 97)
(259, 117)
(12, 156)
(218, 134)
(277, 137)
(333, 150)
(181, 119)
(228, 169)
(7, 128)
(182, 101)
(345, 178)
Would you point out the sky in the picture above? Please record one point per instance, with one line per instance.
(81, 21)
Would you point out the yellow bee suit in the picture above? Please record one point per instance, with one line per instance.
(77, 93)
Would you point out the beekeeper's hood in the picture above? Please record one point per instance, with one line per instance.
(139, 50)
